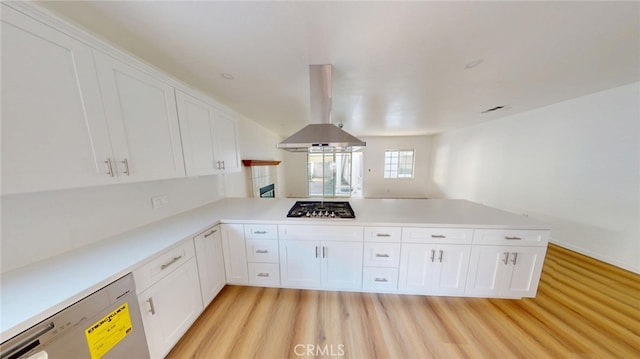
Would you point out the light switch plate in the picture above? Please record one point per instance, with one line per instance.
(159, 201)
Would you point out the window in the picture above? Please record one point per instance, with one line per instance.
(398, 163)
(332, 173)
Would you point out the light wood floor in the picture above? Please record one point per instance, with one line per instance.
(584, 309)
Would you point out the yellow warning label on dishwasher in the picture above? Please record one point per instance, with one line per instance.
(108, 331)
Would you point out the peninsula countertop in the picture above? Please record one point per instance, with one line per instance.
(32, 293)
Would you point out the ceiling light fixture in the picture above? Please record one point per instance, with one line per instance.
(227, 76)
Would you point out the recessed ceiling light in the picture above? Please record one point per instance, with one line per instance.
(227, 76)
(473, 63)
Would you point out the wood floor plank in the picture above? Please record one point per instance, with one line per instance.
(584, 309)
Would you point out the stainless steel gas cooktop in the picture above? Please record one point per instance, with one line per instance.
(321, 209)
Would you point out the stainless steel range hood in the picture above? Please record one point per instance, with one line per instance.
(321, 133)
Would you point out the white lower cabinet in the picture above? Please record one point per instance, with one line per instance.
(210, 258)
(235, 256)
(321, 264)
(434, 269)
(172, 303)
(505, 271)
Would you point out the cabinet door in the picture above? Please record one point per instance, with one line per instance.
(300, 263)
(525, 265)
(143, 122)
(226, 144)
(452, 266)
(54, 133)
(487, 271)
(235, 256)
(197, 122)
(209, 255)
(417, 265)
(169, 307)
(342, 265)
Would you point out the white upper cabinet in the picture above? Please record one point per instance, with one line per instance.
(54, 134)
(208, 136)
(226, 144)
(142, 120)
(197, 131)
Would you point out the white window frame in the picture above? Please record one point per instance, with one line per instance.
(391, 170)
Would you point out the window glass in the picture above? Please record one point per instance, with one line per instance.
(398, 163)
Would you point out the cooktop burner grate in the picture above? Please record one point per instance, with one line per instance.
(321, 209)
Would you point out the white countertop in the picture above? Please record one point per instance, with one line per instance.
(31, 294)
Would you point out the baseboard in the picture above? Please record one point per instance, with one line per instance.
(595, 255)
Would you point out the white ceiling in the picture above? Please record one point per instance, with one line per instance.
(399, 67)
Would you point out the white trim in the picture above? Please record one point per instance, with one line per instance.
(595, 255)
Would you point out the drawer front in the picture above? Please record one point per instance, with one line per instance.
(262, 250)
(380, 279)
(382, 254)
(383, 234)
(264, 274)
(261, 231)
(437, 235)
(514, 237)
(321, 233)
(162, 264)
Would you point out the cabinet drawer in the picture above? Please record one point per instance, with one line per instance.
(380, 279)
(437, 235)
(262, 250)
(162, 264)
(515, 237)
(321, 233)
(264, 274)
(382, 254)
(382, 234)
(261, 231)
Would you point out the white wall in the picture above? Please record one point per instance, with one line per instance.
(295, 173)
(36, 226)
(40, 225)
(575, 164)
(376, 186)
(256, 143)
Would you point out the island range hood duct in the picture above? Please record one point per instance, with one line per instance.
(321, 133)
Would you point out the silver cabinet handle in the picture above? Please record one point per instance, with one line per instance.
(506, 257)
(210, 233)
(433, 255)
(125, 162)
(109, 167)
(380, 280)
(152, 308)
(316, 251)
(175, 259)
(324, 252)
(259, 232)
(263, 274)
(218, 165)
(438, 236)
(382, 255)
(262, 251)
(223, 166)
(514, 258)
(512, 238)
(383, 235)
(440, 256)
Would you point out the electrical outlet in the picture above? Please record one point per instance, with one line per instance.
(159, 201)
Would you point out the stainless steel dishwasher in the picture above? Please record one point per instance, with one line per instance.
(105, 324)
